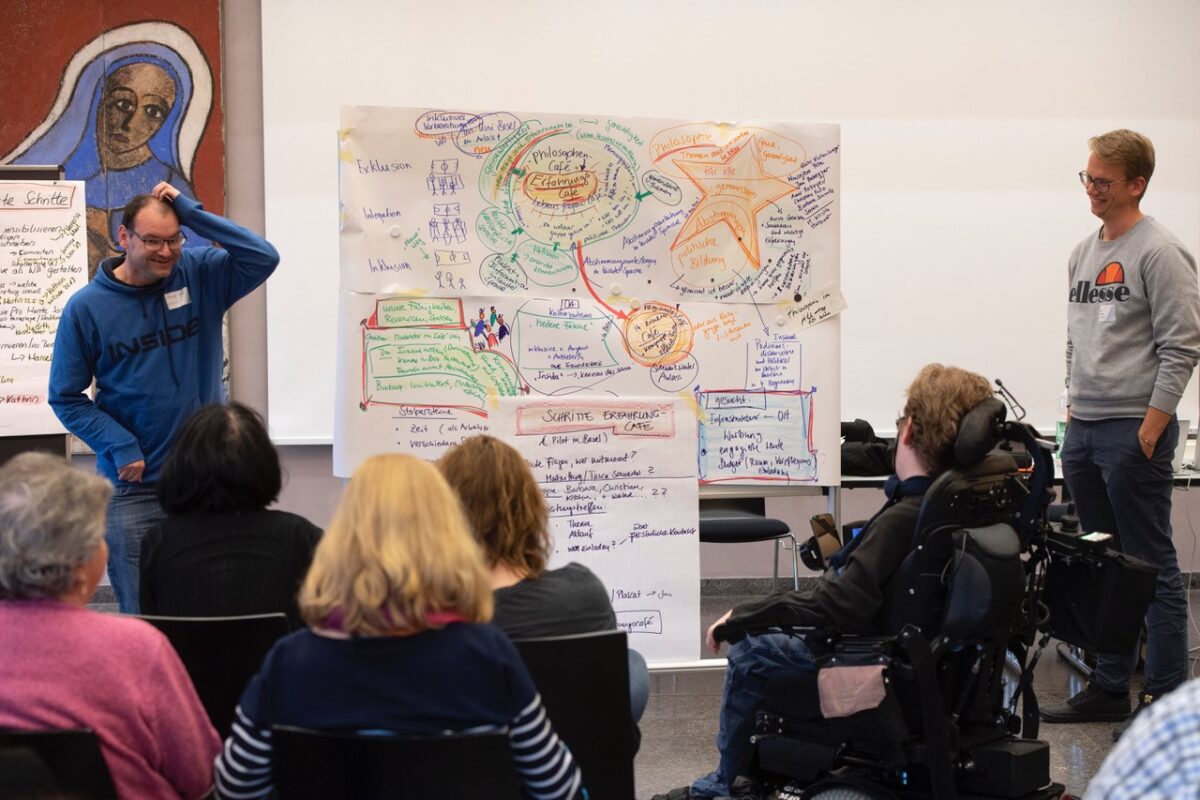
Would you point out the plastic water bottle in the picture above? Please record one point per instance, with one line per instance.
(1060, 429)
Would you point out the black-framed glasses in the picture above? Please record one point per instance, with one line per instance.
(155, 243)
(1101, 184)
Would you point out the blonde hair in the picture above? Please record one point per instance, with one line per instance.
(503, 502)
(397, 555)
(1132, 151)
(938, 398)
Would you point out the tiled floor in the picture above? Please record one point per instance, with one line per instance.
(680, 723)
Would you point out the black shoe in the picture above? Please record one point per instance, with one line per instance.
(1144, 700)
(742, 789)
(682, 793)
(1093, 704)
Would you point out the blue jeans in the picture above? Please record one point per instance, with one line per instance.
(639, 684)
(752, 662)
(133, 510)
(1118, 490)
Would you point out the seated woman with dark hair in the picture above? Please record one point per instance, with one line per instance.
(508, 513)
(63, 666)
(395, 598)
(220, 552)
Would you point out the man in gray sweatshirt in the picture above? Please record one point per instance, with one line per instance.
(1133, 339)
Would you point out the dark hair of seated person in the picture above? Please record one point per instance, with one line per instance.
(222, 461)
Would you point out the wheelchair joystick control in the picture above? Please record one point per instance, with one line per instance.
(1069, 523)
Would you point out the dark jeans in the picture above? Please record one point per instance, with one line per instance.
(752, 662)
(133, 510)
(1118, 490)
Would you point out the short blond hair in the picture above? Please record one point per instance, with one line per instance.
(938, 399)
(502, 501)
(397, 555)
(1130, 150)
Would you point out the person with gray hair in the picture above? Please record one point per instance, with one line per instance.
(68, 667)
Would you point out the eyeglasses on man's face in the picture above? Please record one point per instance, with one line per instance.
(1101, 184)
(155, 243)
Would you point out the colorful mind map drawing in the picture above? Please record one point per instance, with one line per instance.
(489, 254)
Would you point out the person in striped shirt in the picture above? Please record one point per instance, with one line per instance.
(397, 602)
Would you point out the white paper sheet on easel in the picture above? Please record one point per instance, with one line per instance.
(619, 475)
(43, 262)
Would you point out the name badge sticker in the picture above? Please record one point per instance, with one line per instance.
(177, 299)
(1107, 312)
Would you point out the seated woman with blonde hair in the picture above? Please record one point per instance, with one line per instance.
(395, 600)
(508, 513)
(64, 666)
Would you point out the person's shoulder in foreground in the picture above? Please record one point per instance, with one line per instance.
(1158, 758)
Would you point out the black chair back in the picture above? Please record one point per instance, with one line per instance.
(317, 765)
(984, 494)
(72, 757)
(584, 684)
(979, 490)
(221, 654)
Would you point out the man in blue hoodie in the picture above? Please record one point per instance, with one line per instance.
(147, 329)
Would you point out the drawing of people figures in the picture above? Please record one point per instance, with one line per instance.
(492, 320)
(491, 337)
(502, 328)
(481, 332)
(131, 108)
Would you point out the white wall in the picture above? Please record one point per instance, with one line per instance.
(963, 126)
(959, 210)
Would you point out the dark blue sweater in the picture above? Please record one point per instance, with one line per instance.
(458, 678)
(155, 351)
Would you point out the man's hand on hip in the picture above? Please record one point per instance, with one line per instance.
(132, 472)
(1153, 424)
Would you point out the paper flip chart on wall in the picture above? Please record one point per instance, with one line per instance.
(489, 254)
(619, 476)
(43, 261)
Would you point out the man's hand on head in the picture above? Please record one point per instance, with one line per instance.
(132, 472)
(165, 191)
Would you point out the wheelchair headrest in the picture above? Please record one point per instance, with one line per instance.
(979, 432)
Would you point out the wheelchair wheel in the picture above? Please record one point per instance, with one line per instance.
(842, 793)
(847, 790)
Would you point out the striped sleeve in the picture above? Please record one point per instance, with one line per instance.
(243, 767)
(546, 766)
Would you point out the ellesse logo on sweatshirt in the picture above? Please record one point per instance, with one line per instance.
(1110, 286)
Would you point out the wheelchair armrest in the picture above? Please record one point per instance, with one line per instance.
(731, 634)
(829, 644)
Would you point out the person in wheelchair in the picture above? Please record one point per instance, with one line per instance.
(850, 596)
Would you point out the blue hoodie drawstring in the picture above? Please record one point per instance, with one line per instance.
(162, 305)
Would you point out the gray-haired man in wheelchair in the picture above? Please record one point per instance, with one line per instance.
(850, 597)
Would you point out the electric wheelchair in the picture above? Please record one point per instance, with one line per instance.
(966, 604)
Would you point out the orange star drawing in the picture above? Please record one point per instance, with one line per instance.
(734, 190)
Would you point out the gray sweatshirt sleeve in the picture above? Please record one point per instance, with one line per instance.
(1171, 288)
